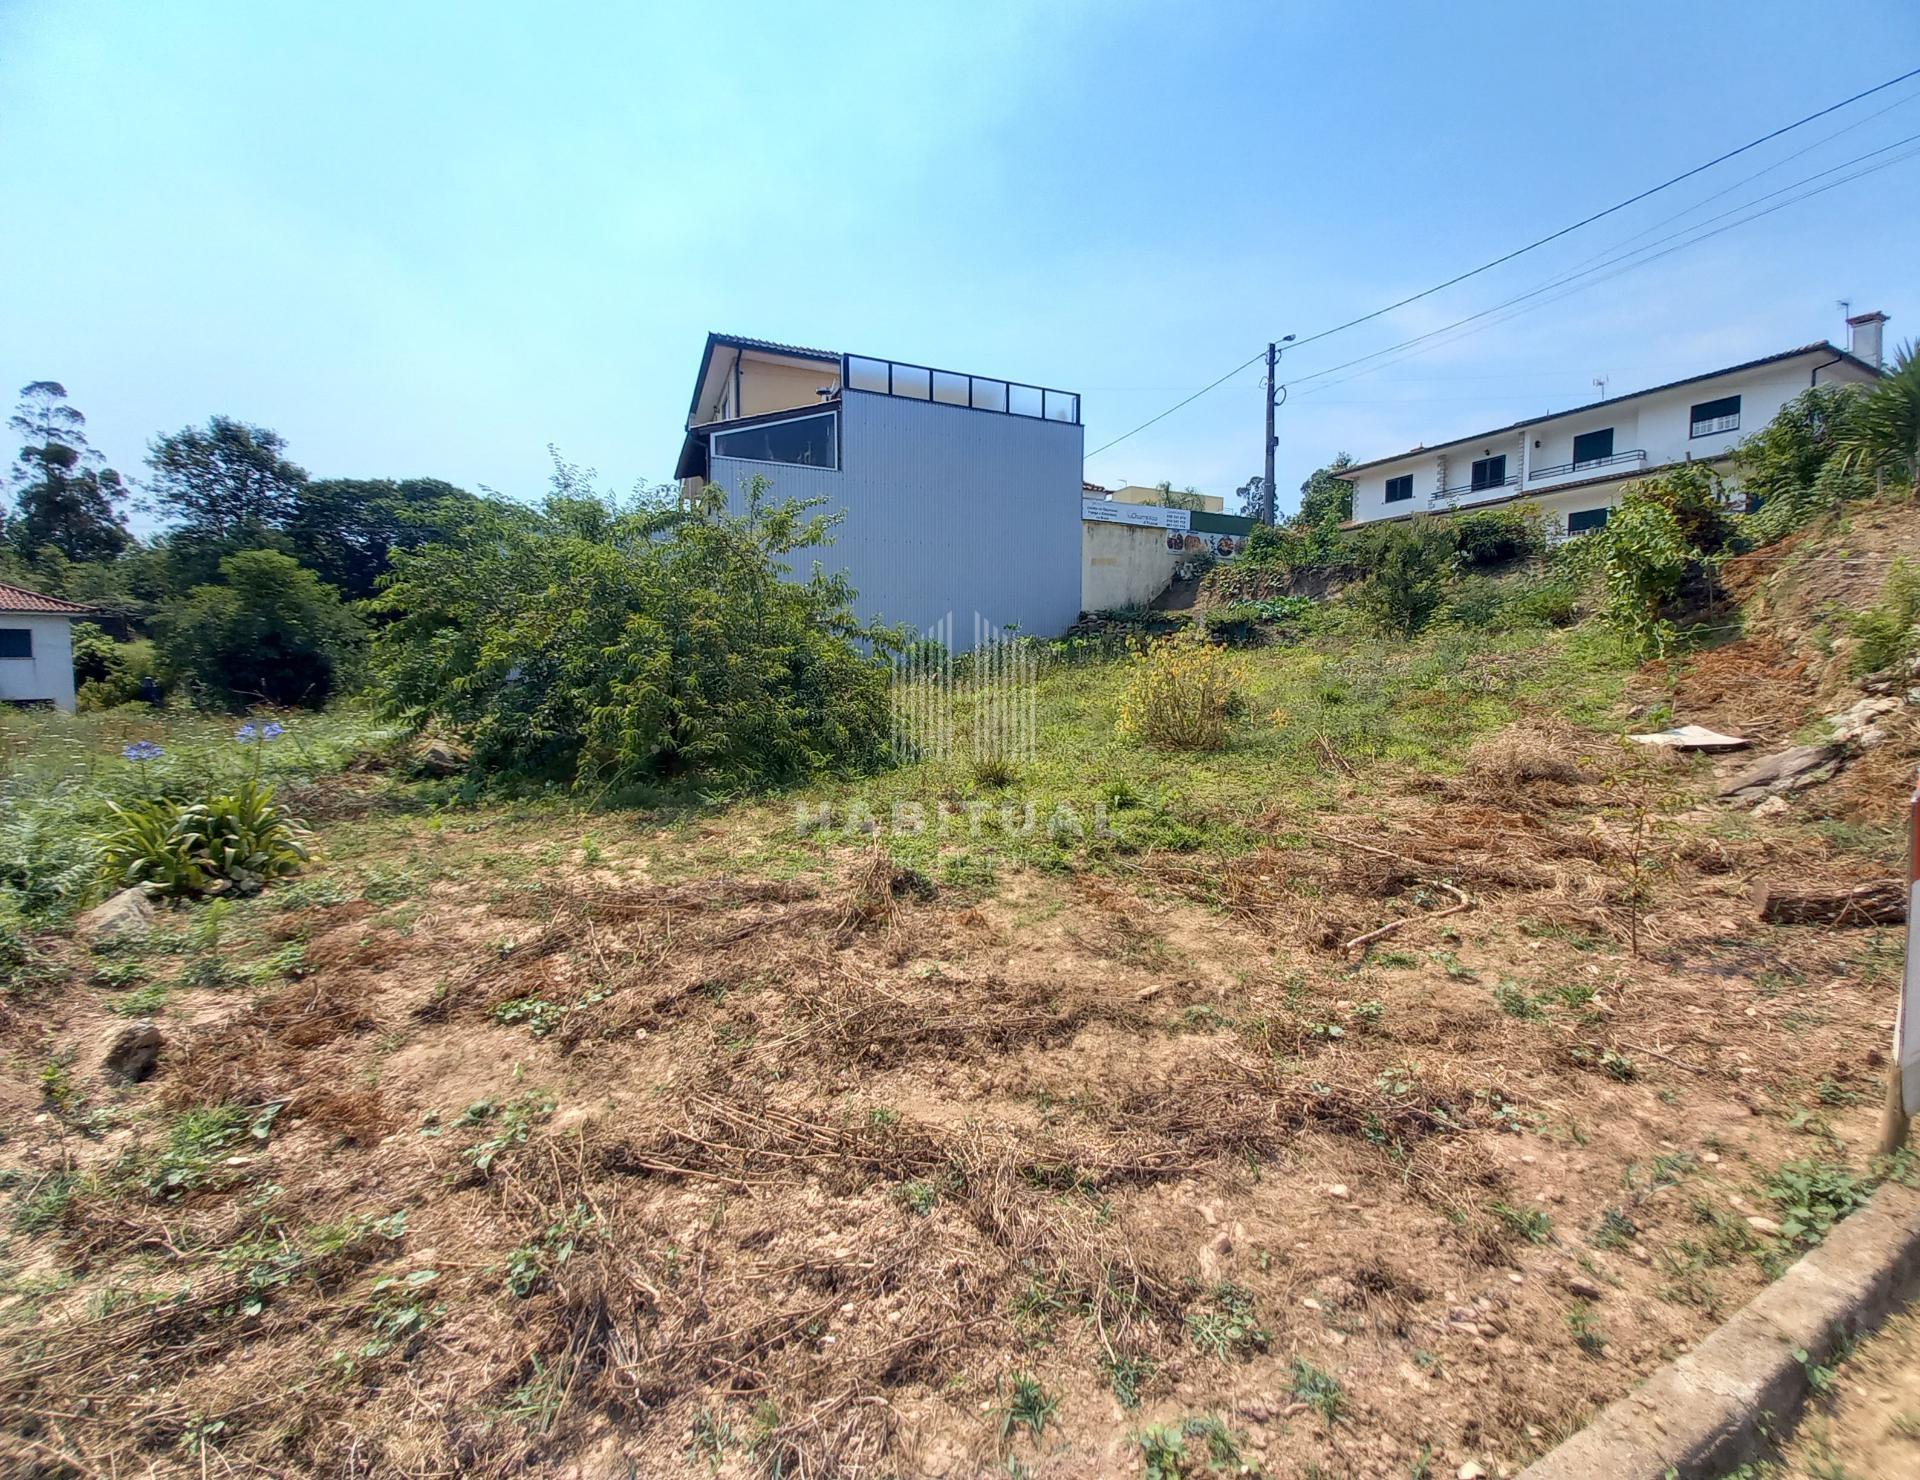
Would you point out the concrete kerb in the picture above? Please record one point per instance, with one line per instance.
(1715, 1408)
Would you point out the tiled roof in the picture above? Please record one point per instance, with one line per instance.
(1817, 347)
(20, 599)
(740, 341)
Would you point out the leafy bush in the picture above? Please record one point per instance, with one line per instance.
(240, 837)
(1553, 600)
(14, 950)
(1476, 601)
(1883, 437)
(273, 633)
(1695, 497)
(1237, 624)
(1512, 603)
(1291, 547)
(1646, 557)
(1889, 631)
(1178, 696)
(1285, 618)
(45, 862)
(1788, 468)
(1406, 586)
(583, 641)
(1496, 537)
(111, 673)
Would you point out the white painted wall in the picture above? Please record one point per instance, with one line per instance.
(1659, 424)
(48, 674)
(1123, 565)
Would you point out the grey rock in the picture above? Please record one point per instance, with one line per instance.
(1787, 770)
(1856, 727)
(134, 1053)
(127, 916)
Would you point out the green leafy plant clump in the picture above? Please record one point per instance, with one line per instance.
(1813, 1196)
(1888, 632)
(239, 837)
(1225, 1326)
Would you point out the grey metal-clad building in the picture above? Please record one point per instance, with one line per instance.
(961, 494)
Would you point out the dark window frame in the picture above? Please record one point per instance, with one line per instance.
(1405, 480)
(1589, 438)
(1476, 482)
(1716, 412)
(833, 439)
(25, 634)
(1604, 511)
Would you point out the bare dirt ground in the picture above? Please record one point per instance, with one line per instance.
(1400, 1142)
(1866, 1426)
(850, 1174)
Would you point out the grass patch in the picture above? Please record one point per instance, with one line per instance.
(1224, 1326)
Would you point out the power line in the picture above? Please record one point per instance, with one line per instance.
(1215, 385)
(1520, 251)
(1612, 209)
(1567, 291)
(1604, 261)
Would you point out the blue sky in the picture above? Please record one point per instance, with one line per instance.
(431, 239)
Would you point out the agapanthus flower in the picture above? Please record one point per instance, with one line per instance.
(273, 731)
(246, 734)
(143, 750)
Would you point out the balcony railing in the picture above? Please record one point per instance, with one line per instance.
(1560, 470)
(1467, 490)
(951, 388)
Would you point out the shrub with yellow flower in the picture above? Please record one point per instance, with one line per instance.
(1178, 696)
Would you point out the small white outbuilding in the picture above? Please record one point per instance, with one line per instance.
(36, 647)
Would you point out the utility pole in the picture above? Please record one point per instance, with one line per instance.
(1270, 503)
(1267, 502)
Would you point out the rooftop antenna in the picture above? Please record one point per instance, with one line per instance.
(1600, 384)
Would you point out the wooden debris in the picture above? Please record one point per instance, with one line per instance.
(1883, 902)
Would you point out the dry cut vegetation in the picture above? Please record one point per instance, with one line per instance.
(1403, 1136)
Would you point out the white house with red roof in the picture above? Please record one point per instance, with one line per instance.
(36, 647)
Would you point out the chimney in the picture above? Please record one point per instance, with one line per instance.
(1863, 337)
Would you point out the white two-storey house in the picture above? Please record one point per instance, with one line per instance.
(1571, 465)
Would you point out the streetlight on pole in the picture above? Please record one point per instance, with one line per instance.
(1270, 506)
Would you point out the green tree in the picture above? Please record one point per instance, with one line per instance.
(1409, 570)
(1326, 499)
(591, 642)
(1179, 498)
(345, 528)
(1883, 438)
(224, 483)
(64, 498)
(272, 633)
(132, 585)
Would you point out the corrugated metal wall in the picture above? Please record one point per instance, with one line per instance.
(949, 512)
